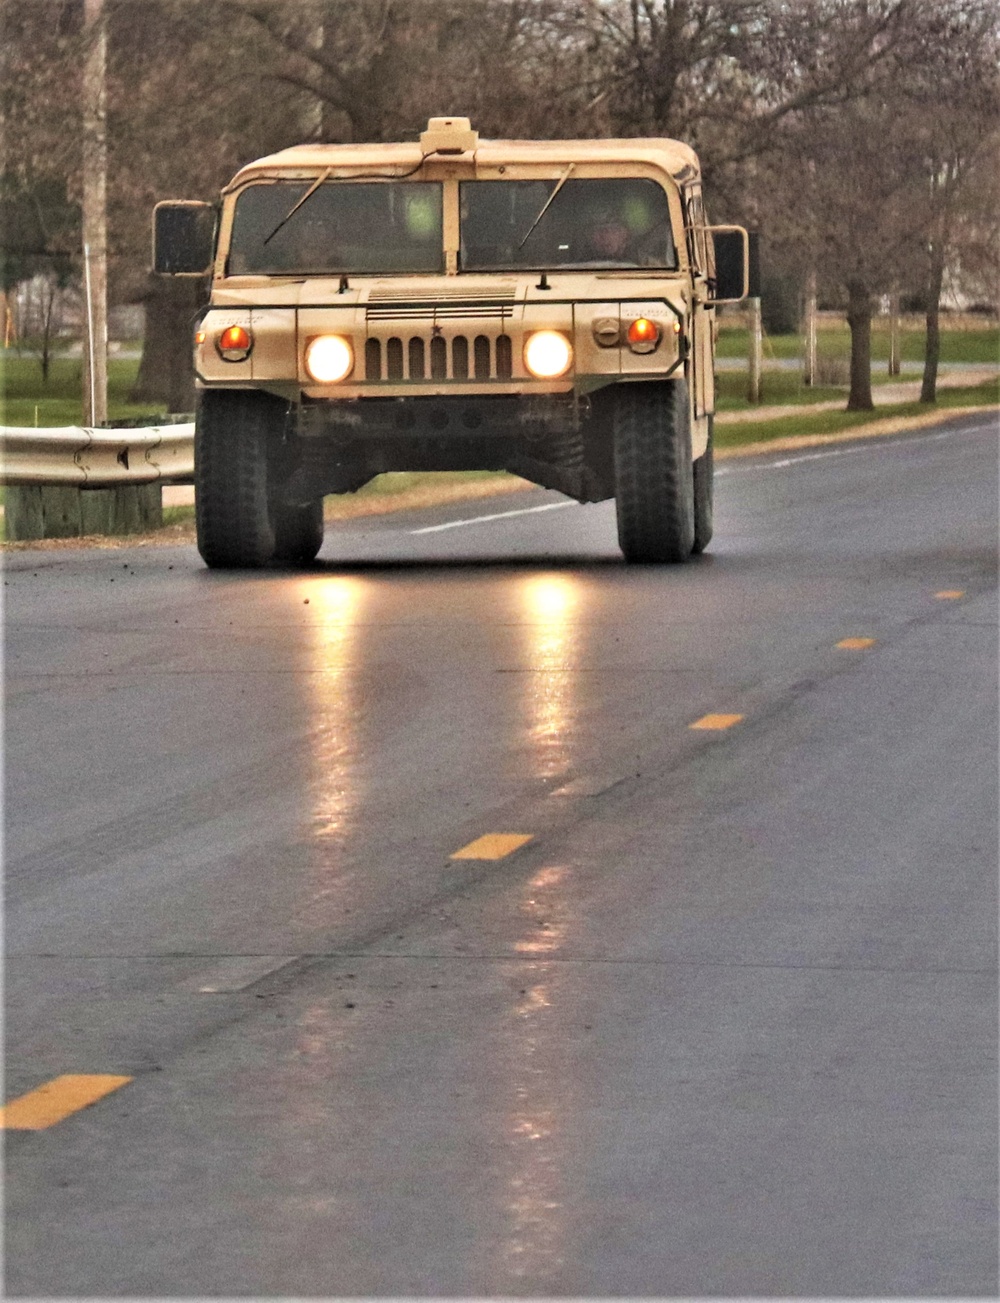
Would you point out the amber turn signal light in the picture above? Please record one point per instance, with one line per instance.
(234, 344)
(643, 335)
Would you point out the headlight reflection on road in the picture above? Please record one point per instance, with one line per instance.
(552, 602)
(333, 701)
(535, 1244)
(545, 928)
(326, 619)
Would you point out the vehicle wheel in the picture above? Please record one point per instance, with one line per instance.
(704, 495)
(298, 532)
(234, 431)
(654, 484)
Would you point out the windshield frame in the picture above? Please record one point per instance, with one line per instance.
(450, 175)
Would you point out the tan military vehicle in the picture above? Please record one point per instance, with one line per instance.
(541, 307)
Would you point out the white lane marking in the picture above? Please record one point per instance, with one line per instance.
(235, 973)
(874, 446)
(500, 515)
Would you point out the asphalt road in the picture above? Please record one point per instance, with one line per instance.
(725, 1025)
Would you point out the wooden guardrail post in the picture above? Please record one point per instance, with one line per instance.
(65, 511)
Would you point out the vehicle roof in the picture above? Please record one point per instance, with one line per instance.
(671, 156)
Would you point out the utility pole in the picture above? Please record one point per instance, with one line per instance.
(95, 216)
(67, 511)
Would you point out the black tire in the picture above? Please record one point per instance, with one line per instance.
(704, 494)
(654, 484)
(235, 433)
(298, 532)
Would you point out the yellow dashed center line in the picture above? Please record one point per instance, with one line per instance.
(950, 594)
(57, 1099)
(716, 721)
(493, 846)
(855, 644)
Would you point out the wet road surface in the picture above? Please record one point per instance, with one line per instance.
(719, 1018)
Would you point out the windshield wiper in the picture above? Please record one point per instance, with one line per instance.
(298, 204)
(547, 205)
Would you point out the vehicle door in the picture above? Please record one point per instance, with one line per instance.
(701, 360)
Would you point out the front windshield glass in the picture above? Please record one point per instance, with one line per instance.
(347, 227)
(599, 222)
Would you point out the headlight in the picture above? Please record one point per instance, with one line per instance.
(234, 344)
(547, 354)
(329, 358)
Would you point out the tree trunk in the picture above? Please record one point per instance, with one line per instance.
(932, 347)
(809, 366)
(859, 319)
(166, 372)
(48, 307)
(895, 364)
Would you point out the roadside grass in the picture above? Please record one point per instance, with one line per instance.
(979, 344)
(776, 387)
(25, 400)
(813, 423)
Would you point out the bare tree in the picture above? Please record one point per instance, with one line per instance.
(189, 101)
(953, 110)
(855, 184)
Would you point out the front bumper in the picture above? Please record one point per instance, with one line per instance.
(467, 416)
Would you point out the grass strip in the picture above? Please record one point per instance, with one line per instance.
(25, 400)
(811, 424)
(979, 344)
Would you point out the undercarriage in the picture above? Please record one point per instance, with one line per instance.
(559, 442)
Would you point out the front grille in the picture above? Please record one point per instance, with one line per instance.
(492, 359)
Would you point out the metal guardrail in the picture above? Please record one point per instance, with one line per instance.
(97, 458)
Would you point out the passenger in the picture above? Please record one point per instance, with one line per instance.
(625, 234)
(608, 237)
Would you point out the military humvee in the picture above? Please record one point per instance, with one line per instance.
(541, 307)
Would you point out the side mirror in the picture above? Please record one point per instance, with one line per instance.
(183, 238)
(732, 263)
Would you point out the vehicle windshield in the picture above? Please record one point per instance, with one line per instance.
(600, 222)
(359, 228)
